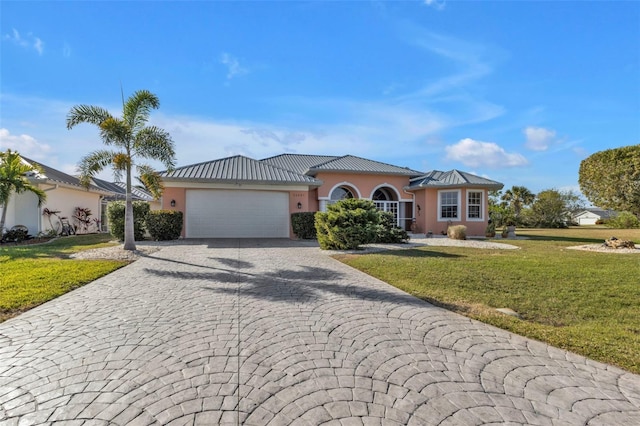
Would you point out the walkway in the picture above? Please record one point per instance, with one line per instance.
(275, 333)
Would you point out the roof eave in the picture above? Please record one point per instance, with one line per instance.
(313, 172)
(495, 186)
(242, 182)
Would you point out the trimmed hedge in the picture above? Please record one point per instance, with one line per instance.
(304, 225)
(115, 216)
(164, 224)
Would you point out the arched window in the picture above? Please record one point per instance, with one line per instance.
(382, 194)
(341, 193)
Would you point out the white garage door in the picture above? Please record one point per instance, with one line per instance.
(237, 214)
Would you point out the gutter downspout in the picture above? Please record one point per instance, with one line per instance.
(53, 186)
(413, 203)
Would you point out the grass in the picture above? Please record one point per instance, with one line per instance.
(34, 274)
(585, 302)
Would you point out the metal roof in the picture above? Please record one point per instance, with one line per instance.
(238, 169)
(53, 175)
(438, 179)
(299, 163)
(353, 164)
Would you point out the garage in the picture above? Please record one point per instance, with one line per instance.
(236, 214)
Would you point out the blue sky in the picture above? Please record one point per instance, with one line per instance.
(519, 92)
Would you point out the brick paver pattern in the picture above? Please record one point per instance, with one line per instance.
(274, 332)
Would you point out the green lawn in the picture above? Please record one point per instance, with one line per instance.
(33, 274)
(586, 302)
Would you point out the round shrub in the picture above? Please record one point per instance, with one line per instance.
(164, 224)
(347, 224)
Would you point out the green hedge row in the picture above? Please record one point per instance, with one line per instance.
(164, 224)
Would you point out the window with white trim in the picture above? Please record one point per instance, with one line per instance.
(448, 205)
(474, 205)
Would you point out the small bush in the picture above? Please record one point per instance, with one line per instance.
(164, 225)
(347, 224)
(17, 235)
(624, 220)
(304, 225)
(387, 231)
(457, 232)
(115, 216)
(600, 222)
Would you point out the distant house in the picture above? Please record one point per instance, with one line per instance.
(239, 197)
(64, 194)
(591, 215)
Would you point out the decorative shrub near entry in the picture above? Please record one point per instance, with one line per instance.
(387, 231)
(164, 224)
(347, 224)
(457, 232)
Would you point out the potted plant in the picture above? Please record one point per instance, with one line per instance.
(490, 232)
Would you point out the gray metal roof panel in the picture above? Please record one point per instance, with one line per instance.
(238, 169)
(299, 163)
(351, 163)
(438, 179)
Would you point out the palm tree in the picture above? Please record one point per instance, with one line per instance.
(132, 139)
(517, 197)
(13, 178)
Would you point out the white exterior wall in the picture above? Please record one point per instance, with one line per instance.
(24, 210)
(11, 217)
(66, 200)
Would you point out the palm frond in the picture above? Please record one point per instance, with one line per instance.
(117, 132)
(151, 180)
(138, 107)
(93, 163)
(86, 114)
(13, 177)
(156, 144)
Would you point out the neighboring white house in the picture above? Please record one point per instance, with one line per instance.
(64, 194)
(591, 215)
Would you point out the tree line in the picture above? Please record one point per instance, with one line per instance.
(609, 179)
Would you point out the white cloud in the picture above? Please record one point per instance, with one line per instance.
(474, 153)
(438, 5)
(66, 50)
(539, 138)
(234, 68)
(30, 41)
(24, 144)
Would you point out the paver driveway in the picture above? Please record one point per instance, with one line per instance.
(274, 332)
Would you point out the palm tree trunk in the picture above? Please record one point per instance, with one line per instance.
(4, 216)
(129, 236)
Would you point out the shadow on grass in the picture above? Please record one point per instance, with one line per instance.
(422, 253)
(580, 240)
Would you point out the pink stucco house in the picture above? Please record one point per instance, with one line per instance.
(239, 197)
